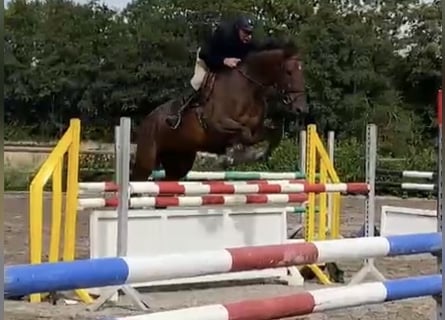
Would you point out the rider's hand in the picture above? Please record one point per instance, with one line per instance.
(231, 62)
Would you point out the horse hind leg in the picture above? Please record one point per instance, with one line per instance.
(177, 164)
(144, 163)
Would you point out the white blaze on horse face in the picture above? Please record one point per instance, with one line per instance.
(295, 85)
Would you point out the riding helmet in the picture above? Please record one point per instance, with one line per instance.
(244, 23)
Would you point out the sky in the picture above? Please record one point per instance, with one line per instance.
(114, 4)
(120, 4)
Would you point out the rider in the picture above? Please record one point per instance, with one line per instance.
(229, 44)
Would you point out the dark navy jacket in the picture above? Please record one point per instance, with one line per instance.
(224, 43)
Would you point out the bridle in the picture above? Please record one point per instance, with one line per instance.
(285, 94)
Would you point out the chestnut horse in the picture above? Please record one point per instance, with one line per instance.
(232, 113)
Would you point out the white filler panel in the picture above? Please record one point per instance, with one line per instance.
(401, 220)
(155, 232)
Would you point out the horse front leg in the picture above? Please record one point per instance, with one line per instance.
(233, 133)
(240, 132)
(247, 150)
(244, 137)
(270, 135)
(228, 126)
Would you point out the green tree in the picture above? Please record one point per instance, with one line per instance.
(377, 61)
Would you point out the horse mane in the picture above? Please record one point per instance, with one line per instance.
(268, 51)
(288, 46)
(268, 55)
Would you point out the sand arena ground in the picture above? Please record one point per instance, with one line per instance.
(16, 251)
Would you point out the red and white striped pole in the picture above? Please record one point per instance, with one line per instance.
(155, 188)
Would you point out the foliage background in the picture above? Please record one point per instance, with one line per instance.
(365, 61)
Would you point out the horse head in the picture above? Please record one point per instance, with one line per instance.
(278, 65)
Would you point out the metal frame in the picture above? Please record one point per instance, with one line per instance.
(123, 143)
(371, 162)
(440, 303)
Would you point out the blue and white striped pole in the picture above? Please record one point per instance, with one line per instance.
(81, 274)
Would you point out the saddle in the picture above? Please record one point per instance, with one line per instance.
(195, 100)
(200, 97)
(207, 86)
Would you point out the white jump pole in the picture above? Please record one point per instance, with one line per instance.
(123, 150)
